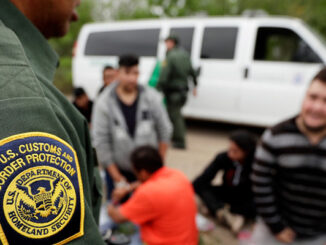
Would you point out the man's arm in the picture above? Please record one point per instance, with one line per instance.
(115, 214)
(114, 172)
(102, 136)
(162, 122)
(138, 209)
(219, 163)
(121, 192)
(163, 147)
(193, 75)
(263, 187)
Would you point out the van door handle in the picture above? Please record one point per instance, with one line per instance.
(246, 73)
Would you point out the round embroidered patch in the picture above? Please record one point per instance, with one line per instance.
(40, 190)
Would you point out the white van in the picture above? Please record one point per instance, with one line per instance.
(254, 71)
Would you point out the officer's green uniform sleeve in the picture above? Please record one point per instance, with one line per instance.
(49, 192)
(193, 74)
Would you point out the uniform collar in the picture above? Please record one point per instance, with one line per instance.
(41, 56)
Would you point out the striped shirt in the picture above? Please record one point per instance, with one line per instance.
(289, 181)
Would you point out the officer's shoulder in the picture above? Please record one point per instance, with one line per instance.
(179, 52)
(11, 51)
(17, 76)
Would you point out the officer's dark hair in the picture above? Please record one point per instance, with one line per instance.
(128, 60)
(107, 67)
(321, 76)
(146, 158)
(246, 141)
(79, 91)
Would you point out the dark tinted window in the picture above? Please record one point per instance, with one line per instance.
(219, 42)
(185, 36)
(281, 44)
(141, 42)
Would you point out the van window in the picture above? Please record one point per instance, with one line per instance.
(141, 42)
(281, 44)
(219, 43)
(185, 36)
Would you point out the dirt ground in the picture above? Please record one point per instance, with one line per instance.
(204, 141)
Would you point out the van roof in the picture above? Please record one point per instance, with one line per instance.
(191, 20)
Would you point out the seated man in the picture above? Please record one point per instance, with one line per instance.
(163, 205)
(235, 191)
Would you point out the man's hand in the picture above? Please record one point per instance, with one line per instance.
(111, 209)
(119, 193)
(194, 92)
(286, 236)
(115, 214)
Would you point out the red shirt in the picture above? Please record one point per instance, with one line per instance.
(164, 207)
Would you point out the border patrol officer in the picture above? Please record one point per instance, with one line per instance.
(49, 190)
(173, 82)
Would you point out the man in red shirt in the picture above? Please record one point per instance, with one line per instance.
(163, 204)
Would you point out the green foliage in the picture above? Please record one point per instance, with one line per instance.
(63, 76)
(312, 12)
(64, 46)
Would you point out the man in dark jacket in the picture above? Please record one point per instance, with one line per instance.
(235, 190)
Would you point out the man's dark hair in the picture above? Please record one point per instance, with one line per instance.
(321, 75)
(107, 67)
(128, 60)
(146, 158)
(245, 140)
(79, 91)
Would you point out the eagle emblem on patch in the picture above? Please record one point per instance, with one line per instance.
(42, 203)
(40, 190)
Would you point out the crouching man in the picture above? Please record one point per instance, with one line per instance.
(163, 204)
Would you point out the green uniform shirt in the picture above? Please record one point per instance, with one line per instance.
(175, 71)
(48, 188)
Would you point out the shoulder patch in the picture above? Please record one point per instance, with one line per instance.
(41, 191)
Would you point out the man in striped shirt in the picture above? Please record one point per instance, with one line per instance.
(289, 175)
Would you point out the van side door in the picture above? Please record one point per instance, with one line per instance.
(216, 51)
